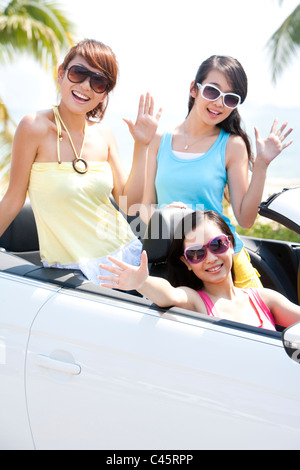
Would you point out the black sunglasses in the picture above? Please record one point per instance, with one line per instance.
(78, 74)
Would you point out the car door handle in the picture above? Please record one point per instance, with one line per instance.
(54, 364)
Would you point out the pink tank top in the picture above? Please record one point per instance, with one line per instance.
(265, 317)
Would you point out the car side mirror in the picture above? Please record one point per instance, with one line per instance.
(291, 342)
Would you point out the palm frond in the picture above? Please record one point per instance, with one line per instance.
(284, 43)
(38, 28)
(5, 158)
(21, 34)
(7, 125)
(48, 13)
(5, 154)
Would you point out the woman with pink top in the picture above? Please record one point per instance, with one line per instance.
(201, 277)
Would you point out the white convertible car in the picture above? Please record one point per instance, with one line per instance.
(84, 367)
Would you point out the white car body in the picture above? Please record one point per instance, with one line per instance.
(83, 371)
(90, 368)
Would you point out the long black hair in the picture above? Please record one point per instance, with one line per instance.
(236, 76)
(178, 273)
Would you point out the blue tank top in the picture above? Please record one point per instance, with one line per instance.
(198, 182)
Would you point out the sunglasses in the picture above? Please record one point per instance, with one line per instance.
(212, 93)
(197, 253)
(78, 74)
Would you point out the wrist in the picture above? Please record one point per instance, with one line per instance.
(260, 163)
(141, 144)
(142, 287)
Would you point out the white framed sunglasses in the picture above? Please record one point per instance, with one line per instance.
(211, 93)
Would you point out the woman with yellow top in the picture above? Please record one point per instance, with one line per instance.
(68, 160)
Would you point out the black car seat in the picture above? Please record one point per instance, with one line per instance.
(158, 237)
(21, 236)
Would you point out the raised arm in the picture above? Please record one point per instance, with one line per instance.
(246, 197)
(143, 132)
(158, 290)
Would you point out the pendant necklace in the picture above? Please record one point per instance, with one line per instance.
(79, 163)
(186, 145)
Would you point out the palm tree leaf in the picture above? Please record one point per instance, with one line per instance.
(5, 157)
(6, 137)
(21, 34)
(6, 123)
(36, 27)
(48, 13)
(284, 43)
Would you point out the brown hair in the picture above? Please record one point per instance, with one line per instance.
(99, 56)
(237, 78)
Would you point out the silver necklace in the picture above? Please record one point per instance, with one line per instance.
(186, 145)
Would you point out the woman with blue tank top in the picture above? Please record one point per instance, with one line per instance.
(210, 151)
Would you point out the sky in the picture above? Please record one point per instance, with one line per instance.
(159, 46)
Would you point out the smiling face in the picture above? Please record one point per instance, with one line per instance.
(229, 76)
(98, 58)
(80, 97)
(215, 268)
(212, 112)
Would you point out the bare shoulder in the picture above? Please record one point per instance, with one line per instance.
(193, 300)
(236, 143)
(36, 124)
(270, 296)
(235, 149)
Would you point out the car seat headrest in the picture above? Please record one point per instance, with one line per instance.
(21, 235)
(160, 232)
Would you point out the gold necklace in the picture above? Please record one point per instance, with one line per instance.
(186, 145)
(79, 163)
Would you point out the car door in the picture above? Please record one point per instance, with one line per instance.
(109, 374)
(20, 301)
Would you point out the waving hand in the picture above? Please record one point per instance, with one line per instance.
(146, 124)
(268, 149)
(125, 276)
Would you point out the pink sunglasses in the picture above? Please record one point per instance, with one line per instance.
(197, 253)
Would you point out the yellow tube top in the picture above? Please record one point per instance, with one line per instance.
(74, 216)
